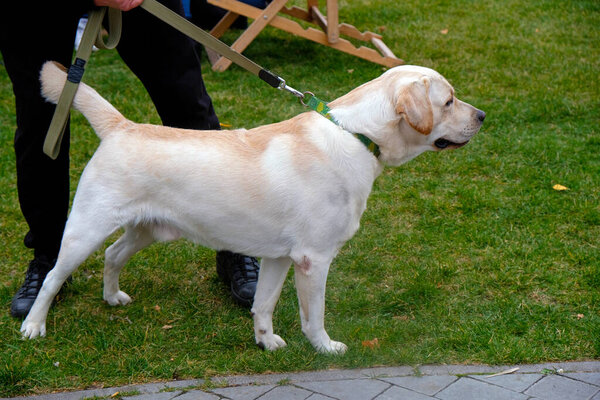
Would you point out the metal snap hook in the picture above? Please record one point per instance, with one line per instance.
(304, 96)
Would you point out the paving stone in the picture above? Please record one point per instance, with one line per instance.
(157, 387)
(154, 396)
(589, 377)
(327, 375)
(197, 395)
(243, 392)
(583, 366)
(556, 387)
(354, 389)
(287, 393)
(471, 389)
(429, 385)
(459, 369)
(317, 396)
(242, 380)
(387, 371)
(65, 395)
(274, 379)
(515, 382)
(395, 393)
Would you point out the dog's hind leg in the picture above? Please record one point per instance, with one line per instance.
(83, 235)
(133, 240)
(311, 279)
(270, 281)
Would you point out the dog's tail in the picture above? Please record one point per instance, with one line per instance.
(99, 112)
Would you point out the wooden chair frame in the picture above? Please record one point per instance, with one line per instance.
(275, 14)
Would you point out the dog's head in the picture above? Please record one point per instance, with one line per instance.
(416, 111)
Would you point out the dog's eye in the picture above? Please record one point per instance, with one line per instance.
(449, 102)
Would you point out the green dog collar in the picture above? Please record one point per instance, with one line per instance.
(321, 107)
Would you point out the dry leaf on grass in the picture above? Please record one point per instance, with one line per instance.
(444, 31)
(559, 187)
(371, 343)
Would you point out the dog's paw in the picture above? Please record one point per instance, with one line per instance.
(270, 343)
(31, 330)
(332, 347)
(118, 298)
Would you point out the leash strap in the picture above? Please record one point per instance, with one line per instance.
(91, 35)
(187, 28)
(205, 38)
(322, 108)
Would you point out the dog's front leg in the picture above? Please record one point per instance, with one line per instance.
(84, 233)
(271, 276)
(35, 323)
(311, 279)
(69, 259)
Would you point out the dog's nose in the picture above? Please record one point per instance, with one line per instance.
(480, 115)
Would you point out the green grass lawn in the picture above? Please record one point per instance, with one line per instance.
(466, 256)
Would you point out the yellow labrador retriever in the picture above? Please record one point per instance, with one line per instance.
(290, 192)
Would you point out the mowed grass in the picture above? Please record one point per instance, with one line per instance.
(466, 256)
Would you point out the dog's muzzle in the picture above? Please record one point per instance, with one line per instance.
(443, 143)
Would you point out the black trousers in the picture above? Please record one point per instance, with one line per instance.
(166, 62)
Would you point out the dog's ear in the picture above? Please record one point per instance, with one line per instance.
(415, 106)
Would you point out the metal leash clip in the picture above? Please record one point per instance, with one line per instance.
(297, 93)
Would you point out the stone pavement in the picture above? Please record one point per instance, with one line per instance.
(553, 381)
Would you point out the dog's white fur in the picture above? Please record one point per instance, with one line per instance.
(290, 192)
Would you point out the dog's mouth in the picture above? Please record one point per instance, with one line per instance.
(444, 144)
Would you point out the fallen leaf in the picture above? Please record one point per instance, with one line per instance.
(115, 394)
(165, 327)
(382, 28)
(580, 316)
(350, 71)
(444, 31)
(371, 343)
(157, 307)
(559, 187)
(508, 371)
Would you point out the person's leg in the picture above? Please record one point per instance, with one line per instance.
(206, 16)
(168, 65)
(42, 183)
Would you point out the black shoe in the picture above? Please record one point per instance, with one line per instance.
(26, 295)
(241, 272)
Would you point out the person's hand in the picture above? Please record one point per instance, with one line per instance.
(123, 5)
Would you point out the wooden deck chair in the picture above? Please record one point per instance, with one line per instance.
(276, 13)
